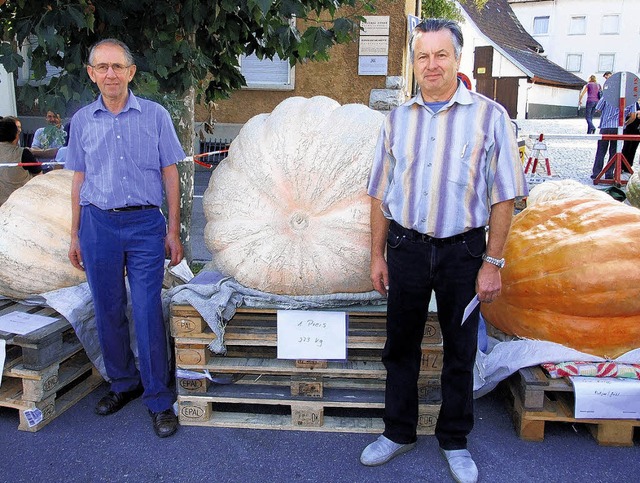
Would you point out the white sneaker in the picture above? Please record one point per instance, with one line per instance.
(383, 450)
(461, 465)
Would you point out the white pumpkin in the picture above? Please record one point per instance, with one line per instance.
(35, 224)
(564, 189)
(287, 212)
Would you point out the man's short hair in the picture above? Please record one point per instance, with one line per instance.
(436, 25)
(607, 73)
(8, 129)
(127, 52)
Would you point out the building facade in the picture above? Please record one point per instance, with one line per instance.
(373, 70)
(507, 64)
(585, 36)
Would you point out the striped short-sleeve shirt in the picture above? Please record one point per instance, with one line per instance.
(609, 118)
(122, 155)
(439, 173)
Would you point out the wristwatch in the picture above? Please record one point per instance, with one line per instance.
(498, 262)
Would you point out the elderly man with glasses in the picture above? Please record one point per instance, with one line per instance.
(122, 150)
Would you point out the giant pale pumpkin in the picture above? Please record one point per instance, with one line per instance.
(287, 212)
(572, 276)
(35, 224)
(562, 189)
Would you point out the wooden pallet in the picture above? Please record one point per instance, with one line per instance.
(250, 387)
(43, 347)
(537, 399)
(251, 337)
(51, 391)
(254, 326)
(45, 371)
(269, 407)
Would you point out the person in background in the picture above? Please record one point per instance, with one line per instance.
(47, 140)
(593, 91)
(629, 148)
(13, 177)
(608, 125)
(122, 150)
(446, 166)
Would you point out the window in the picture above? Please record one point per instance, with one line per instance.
(578, 25)
(574, 62)
(610, 24)
(606, 62)
(541, 25)
(274, 74)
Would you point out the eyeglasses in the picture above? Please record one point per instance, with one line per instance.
(104, 68)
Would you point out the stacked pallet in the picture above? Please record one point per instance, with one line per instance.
(537, 399)
(46, 371)
(250, 388)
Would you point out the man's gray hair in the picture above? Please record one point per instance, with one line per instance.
(436, 25)
(127, 52)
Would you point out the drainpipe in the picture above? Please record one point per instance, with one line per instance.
(526, 102)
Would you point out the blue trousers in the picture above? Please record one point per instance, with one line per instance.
(416, 268)
(588, 115)
(133, 240)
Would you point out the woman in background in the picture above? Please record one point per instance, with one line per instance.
(593, 90)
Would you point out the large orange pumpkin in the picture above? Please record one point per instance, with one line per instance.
(572, 276)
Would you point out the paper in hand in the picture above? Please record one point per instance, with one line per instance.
(469, 308)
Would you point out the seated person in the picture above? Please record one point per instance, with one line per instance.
(13, 177)
(47, 140)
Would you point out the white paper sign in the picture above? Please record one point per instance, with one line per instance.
(375, 25)
(374, 45)
(22, 323)
(372, 64)
(3, 355)
(312, 335)
(606, 397)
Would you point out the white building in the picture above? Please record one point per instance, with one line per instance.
(505, 63)
(585, 36)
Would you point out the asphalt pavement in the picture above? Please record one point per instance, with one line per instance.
(79, 446)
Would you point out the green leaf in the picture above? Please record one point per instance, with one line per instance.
(77, 16)
(263, 5)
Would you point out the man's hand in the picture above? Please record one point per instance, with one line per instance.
(75, 256)
(380, 275)
(488, 283)
(173, 249)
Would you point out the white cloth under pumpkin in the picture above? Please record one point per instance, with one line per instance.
(505, 358)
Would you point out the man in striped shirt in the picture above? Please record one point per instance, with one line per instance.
(122, 150)
(445, 167)
(609, 125)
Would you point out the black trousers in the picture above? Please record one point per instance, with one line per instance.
(629, 148)
(601, 151)
(416, 268)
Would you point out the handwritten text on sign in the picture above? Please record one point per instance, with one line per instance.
(606, 398)
(317, 335)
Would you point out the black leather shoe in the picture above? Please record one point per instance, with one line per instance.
(115, 401)
(165, 423)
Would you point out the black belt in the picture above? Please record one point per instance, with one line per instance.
(416, 236)
(132, 208)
